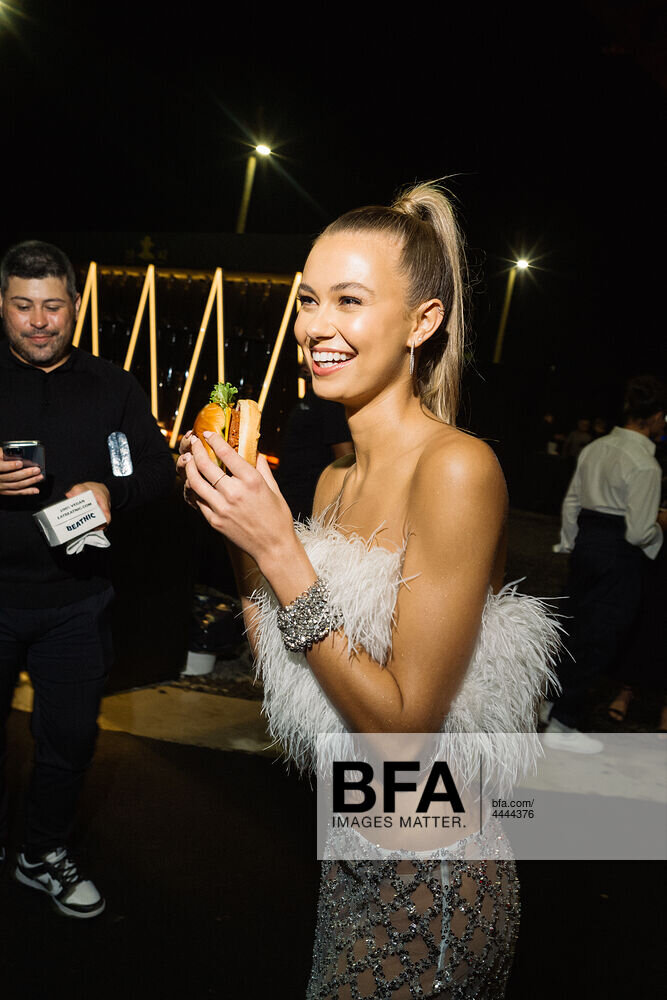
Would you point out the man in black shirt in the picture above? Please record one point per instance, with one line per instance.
(54, 607)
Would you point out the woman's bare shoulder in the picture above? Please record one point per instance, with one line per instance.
(330, 482)
(455, 463)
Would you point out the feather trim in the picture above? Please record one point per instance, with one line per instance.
(511, 668)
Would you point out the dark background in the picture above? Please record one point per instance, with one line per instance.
(546, 118)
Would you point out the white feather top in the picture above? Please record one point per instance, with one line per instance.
(511, 667)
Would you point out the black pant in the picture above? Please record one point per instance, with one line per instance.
(67, 652)
(646, 663)
(605, 592)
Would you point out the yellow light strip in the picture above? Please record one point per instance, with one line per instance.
(182, 274)
(279, 340)
(221, 328)
(301, 387)
(91, 278)
(137, 320)
(217, 280)
(152, 329)
(94, 315)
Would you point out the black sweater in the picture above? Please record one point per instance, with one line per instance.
(72, 410)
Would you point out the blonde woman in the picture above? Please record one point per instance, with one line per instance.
(381, 328)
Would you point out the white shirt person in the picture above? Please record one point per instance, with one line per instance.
(617, 474)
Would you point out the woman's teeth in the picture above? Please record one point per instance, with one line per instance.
(329, 357)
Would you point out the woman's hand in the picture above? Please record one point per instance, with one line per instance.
(246, 507)
(250, 511)
(185, 448)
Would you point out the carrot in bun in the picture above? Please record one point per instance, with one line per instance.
(238, 423)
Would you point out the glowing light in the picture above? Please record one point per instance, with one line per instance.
(10, 13)
(215, 293)
(263, 150)
(147, 295)
(279, 340)
(522, 264)
(89, 296)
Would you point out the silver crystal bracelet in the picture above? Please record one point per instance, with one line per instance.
(309, 618)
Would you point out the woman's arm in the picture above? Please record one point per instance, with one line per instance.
(457, 510)
(246, 571)
(247, 574)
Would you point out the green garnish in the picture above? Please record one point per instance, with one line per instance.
(224, 395)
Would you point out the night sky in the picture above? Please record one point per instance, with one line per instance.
(547, 119)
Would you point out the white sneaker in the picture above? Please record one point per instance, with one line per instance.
(559, 737)
(545, 711)
(57, 874)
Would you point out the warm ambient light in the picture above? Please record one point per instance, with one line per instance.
(522, 264)
(263, 150)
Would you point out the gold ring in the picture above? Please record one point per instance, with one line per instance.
(217, 480)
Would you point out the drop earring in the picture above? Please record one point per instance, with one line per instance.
(412, 359)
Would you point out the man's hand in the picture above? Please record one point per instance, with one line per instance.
(15, 481)
(100, 492)
(662, 518)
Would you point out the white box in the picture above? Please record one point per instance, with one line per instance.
(69, 519)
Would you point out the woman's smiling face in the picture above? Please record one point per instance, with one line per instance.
(354, 325)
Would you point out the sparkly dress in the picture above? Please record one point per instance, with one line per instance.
(445, 926)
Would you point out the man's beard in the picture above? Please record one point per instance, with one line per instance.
(45, 355)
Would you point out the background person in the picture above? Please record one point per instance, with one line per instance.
(577, 439)
(54, 607)
(611, 525)
(644, 665)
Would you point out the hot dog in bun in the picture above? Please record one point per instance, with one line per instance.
(237, 422)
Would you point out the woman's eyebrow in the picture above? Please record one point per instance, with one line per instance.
(342, 285)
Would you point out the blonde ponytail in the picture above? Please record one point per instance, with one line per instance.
(432, 260)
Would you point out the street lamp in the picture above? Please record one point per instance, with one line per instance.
(520, 265)
(260, 150)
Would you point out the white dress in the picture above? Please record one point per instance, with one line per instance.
(396, 929)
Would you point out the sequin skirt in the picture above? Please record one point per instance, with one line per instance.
(399, 930)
